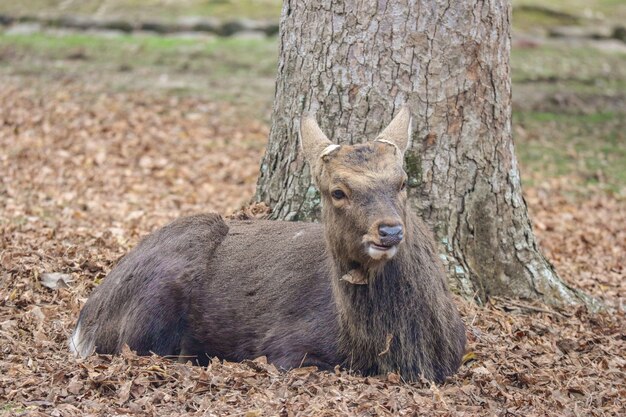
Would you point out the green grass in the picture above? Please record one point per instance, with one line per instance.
(567, 118)
(242, 50)
(148, 9)
(590, 148)
(526, 18)
(212, 58)
(237, 70)
(614, 11)
(578, 63)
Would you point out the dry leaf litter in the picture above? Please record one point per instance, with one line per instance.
(85, 175)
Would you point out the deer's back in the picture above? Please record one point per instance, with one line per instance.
(268, 293)
(201, 287)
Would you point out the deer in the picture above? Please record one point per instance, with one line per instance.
(364, 290)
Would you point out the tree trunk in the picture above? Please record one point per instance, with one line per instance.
(355, 63)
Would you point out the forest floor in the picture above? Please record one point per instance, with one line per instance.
(104, 139)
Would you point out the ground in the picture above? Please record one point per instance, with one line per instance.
(103, 139)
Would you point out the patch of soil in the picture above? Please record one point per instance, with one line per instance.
(84, 176)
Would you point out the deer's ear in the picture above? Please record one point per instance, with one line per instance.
(314, 142)
(398, 132)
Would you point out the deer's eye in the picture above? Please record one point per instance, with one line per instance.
(338, 194)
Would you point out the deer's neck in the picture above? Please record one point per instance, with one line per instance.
(380, 322)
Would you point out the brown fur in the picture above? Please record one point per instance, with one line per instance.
(200, 287)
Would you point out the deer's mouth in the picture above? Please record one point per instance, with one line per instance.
(379, 246)
(379, 251)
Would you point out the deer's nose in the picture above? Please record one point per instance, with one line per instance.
(390, 234)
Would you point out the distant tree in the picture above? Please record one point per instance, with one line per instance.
(356, 63)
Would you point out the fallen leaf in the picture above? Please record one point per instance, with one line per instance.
(55, 280)
(355, 276)
(393, 378)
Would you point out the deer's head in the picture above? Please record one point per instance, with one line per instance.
(363, 190)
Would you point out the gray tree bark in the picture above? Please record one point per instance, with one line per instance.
(355, 63)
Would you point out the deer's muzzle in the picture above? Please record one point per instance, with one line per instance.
(385, 245)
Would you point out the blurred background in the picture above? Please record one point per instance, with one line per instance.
(568, 67)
